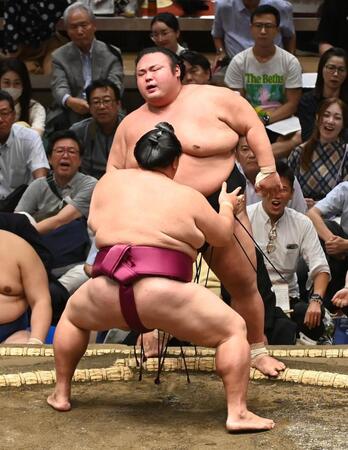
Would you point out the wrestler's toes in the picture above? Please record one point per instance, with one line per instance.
(267, 365)
(59, 404)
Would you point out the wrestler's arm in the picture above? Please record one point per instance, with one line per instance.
(217, 227)
(118, 151)
(243, 119)
(35, 286)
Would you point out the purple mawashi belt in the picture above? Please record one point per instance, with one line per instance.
(127, 263)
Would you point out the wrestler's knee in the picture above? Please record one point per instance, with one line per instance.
(235, 326)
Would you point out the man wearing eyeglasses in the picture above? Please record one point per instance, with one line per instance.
(58, 207)
(96, 133)
(231, 28)
(76, 64)
(72, 191)
(22, 155)
(269, 77)
(285, 235)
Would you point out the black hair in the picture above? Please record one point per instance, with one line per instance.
(64, 134)
(196, 59)
(168, 18)
(284, 171)
(266, 9)
(174, 59)
(18, 66)
(102, 83)
(319, 85)
(157, 148)
(5, 96)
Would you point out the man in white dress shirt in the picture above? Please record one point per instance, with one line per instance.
(285, 235)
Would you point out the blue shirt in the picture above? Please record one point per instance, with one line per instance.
(232, 24)
(336, 204)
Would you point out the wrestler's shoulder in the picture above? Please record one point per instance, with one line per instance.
(210, 90)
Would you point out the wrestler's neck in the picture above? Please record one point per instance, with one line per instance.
(165, 102)
(168, 172)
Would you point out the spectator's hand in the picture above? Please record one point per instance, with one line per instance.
(336, 246)
(296, 139)
(237, 201)
(269, 186)
(78, 105)
(217, 61)
(340, 299)
(310, 202)
(313, 315)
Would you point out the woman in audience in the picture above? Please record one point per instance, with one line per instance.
(14, 79)
(165, 32)
(322, 162)
(332, 82)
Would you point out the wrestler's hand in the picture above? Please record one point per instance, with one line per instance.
(237, 201)
(340, 299)
(269, 186)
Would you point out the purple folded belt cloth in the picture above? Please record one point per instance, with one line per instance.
(127, 263)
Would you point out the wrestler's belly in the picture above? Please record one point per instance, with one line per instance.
(205, 174)
(11, 308)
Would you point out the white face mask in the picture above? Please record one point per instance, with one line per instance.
(14, 92)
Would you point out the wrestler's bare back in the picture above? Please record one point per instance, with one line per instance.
(181, 220)
(12, 297)
(207, 120)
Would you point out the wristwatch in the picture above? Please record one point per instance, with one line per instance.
(316, 298)
(219, 51)
(265, 118)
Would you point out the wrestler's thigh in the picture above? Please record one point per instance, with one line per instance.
(186, 310)
(235, 263)
(96, 305)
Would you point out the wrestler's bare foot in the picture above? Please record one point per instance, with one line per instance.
(267, 365)
(247, 421)
(59, 402)
(152, 342)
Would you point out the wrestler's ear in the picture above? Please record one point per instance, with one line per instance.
(175, 163)
(177, 71)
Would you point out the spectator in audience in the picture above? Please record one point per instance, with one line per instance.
(332, 82)
(24, 284)
(96, 133)
(231, 27)
(165, 32)
(286, 235)
(334, 236)
(333, 30)
(197, 68)
(22, 156)
(59, 206)
(321, 162)
(76, 64)
(269, 77)
(14, 79)
(247, 164)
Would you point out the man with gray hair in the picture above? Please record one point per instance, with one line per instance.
(76, 64)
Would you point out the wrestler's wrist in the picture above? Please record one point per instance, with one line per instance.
(34, 340)
(226, 203)
(268, 170)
